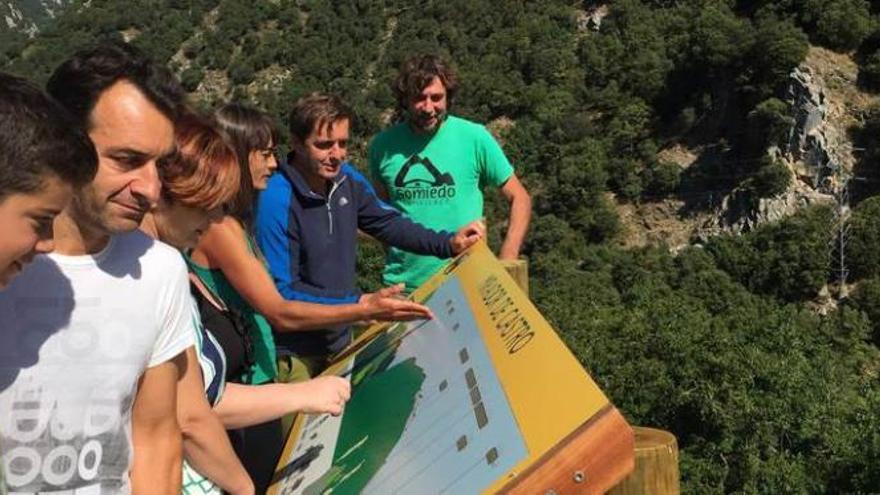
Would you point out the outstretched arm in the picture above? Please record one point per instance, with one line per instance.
(390, 226)
(518, 220)
(246, 405)
(223, 246)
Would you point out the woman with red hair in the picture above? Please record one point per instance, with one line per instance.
(198, 181)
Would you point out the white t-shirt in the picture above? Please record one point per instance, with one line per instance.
(76, 334)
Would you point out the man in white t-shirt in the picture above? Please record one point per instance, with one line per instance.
(92, 335)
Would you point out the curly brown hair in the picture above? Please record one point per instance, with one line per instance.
(417, 72)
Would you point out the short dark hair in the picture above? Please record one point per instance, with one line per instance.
(247, 130)
(316, 109)
(79, 81)
(38, 139)
(417, 72)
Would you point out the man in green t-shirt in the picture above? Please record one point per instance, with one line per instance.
(433, 167)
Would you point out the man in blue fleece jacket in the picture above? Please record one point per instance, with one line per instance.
(306, 226)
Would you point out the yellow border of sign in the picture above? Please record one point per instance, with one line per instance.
(526, 352)
(528, 355)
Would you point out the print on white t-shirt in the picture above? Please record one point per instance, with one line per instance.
(76, 333)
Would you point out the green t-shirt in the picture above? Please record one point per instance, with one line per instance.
(264, 368)
(436, 180)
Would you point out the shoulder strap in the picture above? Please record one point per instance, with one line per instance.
(207, 293)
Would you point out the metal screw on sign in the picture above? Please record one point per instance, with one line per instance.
(579, 477)
(550, 492)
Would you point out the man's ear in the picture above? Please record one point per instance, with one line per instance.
(297, 146)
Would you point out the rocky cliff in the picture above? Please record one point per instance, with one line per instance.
(825, 106)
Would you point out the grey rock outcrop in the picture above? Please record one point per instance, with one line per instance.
(813, 147)
(739, 212)
(809, 108)
(812, 153)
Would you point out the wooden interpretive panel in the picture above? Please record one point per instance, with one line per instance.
(485, 398)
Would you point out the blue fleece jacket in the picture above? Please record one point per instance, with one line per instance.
(309, 240)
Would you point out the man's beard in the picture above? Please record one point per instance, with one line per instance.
(419, 120)
(85, 211)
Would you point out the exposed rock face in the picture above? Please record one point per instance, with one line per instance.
(654, 223)
(738, 212)
(809, 150)
(214, 88)
(813, 153)
(809, 108)
(271, 78)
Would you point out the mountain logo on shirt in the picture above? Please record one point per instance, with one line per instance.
(420, 181)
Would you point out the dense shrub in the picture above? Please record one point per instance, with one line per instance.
(867, 299)
(865, 239)
(787, 260)
(241, 71)
(771, 179)
(762, 396)
(662, 178)
(841, 24)
(191, 77)
(869, 71)
(771, 120)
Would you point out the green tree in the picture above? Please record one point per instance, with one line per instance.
(779, 47)
(191, 77)
(771, 120)
(662, 178)
(241, 71)
(867, 299)
(869, 71)
(719, 38)
(864, 226)
(787, 260)
(771, 179)
(841, 24)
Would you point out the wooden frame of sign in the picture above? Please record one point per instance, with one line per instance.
(592, 460)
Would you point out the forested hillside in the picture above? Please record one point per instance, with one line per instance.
(25, 17)
(734, 341)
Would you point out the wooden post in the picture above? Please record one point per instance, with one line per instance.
(656, 471)
(519, 270)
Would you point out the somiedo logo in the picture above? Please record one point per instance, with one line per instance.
(413, 184)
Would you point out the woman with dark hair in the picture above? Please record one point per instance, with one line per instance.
(198, 181)
(254, 138)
